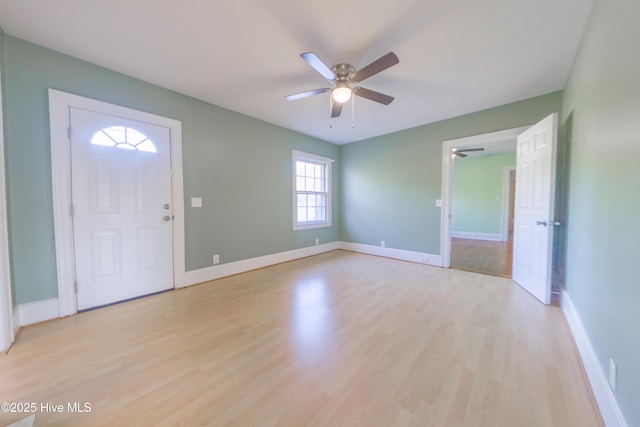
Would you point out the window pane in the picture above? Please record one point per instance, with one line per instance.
(299, 168)
(309, 184)
(134, 137)
(300, 183)
(147, 146)
(308, 169)
(319, 185)
(312, 214)
(319, 171)
(117, 133)
(302, 200)
(320, 214)
(302, 214)
(101, 138)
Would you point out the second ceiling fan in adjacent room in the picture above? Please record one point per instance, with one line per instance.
(455, 152)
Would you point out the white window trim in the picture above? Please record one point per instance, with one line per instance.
(300, 155)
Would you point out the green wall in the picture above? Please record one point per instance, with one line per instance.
(476, 193)
(390, 183)
(603, 103)
(240, 166)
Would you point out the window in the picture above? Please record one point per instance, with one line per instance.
(311, 191)
(123, 137)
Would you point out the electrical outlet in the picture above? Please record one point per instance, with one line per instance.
(317, 241)
(613, 374)
(216, 259)
(382, 244)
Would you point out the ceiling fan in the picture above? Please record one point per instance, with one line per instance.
(343, 77)
(461, 153)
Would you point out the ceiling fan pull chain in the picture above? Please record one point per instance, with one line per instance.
(330, 109)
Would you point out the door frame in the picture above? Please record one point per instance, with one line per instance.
(506, 199)
(447, 169)
(6, 305)
(59, 115)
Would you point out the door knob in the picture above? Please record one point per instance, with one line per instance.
(166, 206)
(167, 218)
(541, 223)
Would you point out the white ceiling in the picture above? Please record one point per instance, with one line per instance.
(456, 57)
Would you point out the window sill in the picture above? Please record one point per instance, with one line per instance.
(311, 225)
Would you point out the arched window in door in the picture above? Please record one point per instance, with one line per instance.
(123, 137)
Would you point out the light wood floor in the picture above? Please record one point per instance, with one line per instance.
(336, 339)
(482, 256)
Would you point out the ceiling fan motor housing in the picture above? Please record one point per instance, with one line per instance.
(343, 72)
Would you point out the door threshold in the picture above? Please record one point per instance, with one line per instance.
(123, 301)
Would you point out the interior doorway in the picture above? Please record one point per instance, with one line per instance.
(482, 191)
(534, 201)
(471, 244)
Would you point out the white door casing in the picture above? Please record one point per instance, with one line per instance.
(60, 105)
(6, 306)
(533, 217)
(122, 207)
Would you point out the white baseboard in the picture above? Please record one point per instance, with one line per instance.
(218, 271)
(34, 312)
(418, 257)
(494, 237)
(609, 409)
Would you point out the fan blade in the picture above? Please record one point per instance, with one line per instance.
(317, 64)
(380, 64)
(373, 95)
(464, 150)
(336, 109)
(306, 94)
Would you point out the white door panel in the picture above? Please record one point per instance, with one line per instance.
(122, 207)
(533, 216)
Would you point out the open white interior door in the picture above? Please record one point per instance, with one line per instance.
(533, 217)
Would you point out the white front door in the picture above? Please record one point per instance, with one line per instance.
(533, 216)
(122, 208)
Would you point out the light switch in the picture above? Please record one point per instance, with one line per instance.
(196, 202)
(438, 203)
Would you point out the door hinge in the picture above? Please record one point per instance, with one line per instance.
(75, 286)
(69, 132)
(71, 210)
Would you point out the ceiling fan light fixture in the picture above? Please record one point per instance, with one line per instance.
(341, 94)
